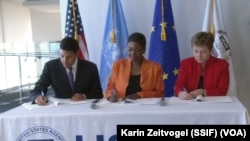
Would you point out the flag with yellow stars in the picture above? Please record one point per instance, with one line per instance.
(163, 44)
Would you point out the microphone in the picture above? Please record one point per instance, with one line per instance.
(162, 101)
(93, 104)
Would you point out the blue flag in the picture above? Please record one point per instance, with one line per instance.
(163, 44)
(114, 40)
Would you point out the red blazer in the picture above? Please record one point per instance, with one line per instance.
(216, 76)
(151, 79)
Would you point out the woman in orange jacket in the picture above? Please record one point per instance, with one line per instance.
(135, 77)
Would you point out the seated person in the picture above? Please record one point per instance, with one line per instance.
(85, 79)
(135, 77)
(202, 74)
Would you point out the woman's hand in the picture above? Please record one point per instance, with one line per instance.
(133, 96)
(197, 92)
(113, 97)
(185, 95)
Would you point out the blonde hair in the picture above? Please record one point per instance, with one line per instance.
(203, 39)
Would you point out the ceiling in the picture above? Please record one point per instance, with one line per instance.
(41, 5)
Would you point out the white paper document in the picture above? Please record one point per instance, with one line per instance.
(218, 99)
(54, 102)
(206, 99)
(142, 101)
(60, 101)
(148, 100)
(30, 106)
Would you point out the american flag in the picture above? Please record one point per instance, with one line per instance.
(74, 28)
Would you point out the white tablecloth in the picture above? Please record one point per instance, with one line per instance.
(79, 122)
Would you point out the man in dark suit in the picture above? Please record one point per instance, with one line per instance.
(85, 78)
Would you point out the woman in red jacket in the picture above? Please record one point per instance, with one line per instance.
(202, 74)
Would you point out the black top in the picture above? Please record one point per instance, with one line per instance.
(133, 85)
(200, 85)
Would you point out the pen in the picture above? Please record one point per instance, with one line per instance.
(95, 101)
(125, 100)
(42, 93)
(184, 89)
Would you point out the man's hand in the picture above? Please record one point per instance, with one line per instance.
(78, 97)
(41, 100)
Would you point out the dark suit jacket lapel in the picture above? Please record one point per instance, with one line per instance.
(79, 75)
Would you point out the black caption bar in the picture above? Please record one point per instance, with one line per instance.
(182, 132)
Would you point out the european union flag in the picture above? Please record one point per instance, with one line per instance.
(114, 40)
(163, 44)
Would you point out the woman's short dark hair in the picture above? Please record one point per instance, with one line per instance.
(138, 38)
(203, 39)
(69, 44)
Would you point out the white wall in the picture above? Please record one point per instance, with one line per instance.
(188, 15)
(23, 24)
(16, 26)
(45, 26)
(1, 22)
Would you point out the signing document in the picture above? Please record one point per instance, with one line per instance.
(54, 102)
(142, 101)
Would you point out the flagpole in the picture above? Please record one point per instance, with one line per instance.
(163, 31)
(212, 30)
(74, 16)
(112, 38)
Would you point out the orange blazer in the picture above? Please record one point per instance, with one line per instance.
(151, 79)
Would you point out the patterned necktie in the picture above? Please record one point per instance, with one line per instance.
(71, 78)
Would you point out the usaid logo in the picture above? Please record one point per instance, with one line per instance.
(42, 132)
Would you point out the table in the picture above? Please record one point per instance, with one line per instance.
(78, 122)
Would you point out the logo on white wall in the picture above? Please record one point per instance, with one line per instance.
(40, 133)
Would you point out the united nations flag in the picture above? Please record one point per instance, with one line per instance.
(114, 40)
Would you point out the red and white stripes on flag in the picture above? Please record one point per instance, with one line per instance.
(83, 50)
(213, 22)
(74, 28)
